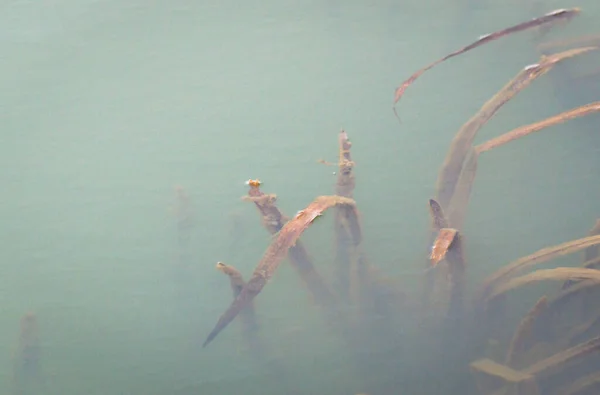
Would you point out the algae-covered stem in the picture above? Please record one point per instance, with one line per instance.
(447, 245)
(535, 127)
(347, 226)
(504, 274)
(275, 254)
(273, 220)
(440, 239)
(344, 186)
(457, 174)
(590, 254)
(248, 315)
(345, 180)
(236, 281)
(456, 177)
(551, 17)
(536, 374)
(583, 41)
(523, 333)
(462, 144)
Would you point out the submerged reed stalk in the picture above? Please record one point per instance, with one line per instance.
(557, 362)
(457, 209)
(273, 220)
(461, 145)
(275, 253)
(248, 315)
(236, 281)
(345, 262)
(447, 245)
(591, 254)
(558, 274)
(441, 245)
(549, 18)
(541, 256)
(492, 376)
(535, 127)
(587, 385)
(583, 41)
(523, 333)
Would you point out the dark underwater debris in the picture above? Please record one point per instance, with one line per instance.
(275, 253)
(551, 17)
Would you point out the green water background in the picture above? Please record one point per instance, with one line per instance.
(106, 105)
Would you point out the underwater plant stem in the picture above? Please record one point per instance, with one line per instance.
(536, 127)
(462, 143)
(273, 220)
(551, 17)
(274, 254)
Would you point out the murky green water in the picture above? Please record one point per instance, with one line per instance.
(106, 105)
